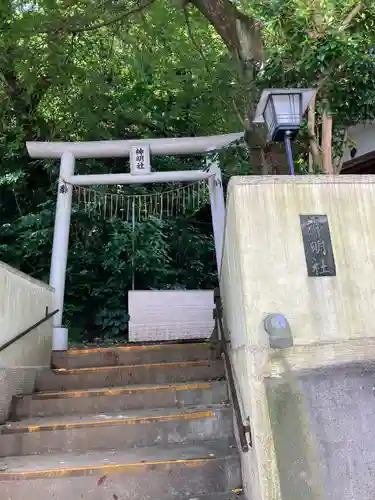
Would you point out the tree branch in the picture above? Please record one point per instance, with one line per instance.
(192, 39)
(20, 213)
(317, 17)
(340, 159)
(327, 123)
(352, 14)
(240, 118)
(115, 20)
(314, 147)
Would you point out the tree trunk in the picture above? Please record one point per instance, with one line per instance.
(327, 141)
(240, 33)
(339, 161)
(314, 156)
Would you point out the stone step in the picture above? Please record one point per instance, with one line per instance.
(157, 473)
(236, 494)
(110, 376)
(116, 431)
(87, 357)
(90, 401)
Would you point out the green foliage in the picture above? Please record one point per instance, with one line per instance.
(326, 45)
(140, 78)
(87, 71)
(301, 54)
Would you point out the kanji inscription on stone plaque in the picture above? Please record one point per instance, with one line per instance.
(316, 236)
(140, 159)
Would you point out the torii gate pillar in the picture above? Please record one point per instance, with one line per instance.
(217, 202)
(60, 248)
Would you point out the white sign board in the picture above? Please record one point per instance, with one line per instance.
(140, 160)
(157, 315)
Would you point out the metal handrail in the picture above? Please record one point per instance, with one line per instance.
(29, 329)
(220, 345)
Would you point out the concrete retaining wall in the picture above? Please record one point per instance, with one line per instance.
(301, 422)
(23, 302)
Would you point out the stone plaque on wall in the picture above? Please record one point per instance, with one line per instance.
(320, 260)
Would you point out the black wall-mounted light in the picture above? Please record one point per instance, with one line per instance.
(282, 111)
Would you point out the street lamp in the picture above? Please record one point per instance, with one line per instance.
(282, 111)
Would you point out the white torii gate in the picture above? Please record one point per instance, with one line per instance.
(68, 152)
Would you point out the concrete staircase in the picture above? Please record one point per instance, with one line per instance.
(123, 423)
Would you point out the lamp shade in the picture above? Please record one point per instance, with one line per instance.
(282, 111)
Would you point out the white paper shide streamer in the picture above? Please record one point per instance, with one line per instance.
(183, 200)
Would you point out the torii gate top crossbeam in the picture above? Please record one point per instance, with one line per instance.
(116, 149)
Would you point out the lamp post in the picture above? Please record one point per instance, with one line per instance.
(282, 111)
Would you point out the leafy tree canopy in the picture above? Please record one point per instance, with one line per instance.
(85, 70)
(62, 78)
